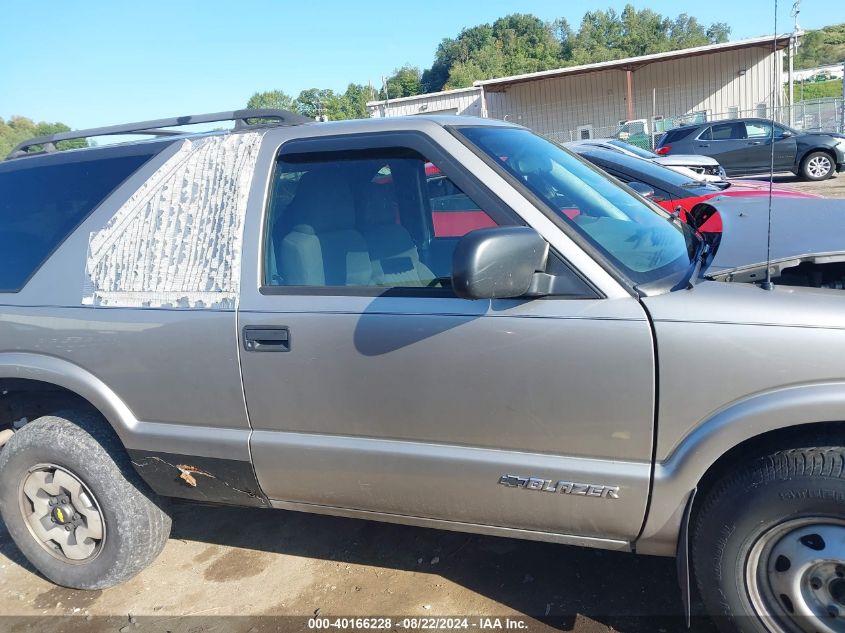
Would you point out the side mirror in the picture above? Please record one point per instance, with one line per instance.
(786, 134)
(641, 188)
(498, 263)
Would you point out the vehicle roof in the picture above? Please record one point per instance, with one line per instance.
(412, 122)
(721, 121)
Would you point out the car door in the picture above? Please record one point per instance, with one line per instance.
(371, 387)
(726, 143)
(758, 155)
(786, 148)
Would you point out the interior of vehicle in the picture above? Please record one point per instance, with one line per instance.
(390, 220)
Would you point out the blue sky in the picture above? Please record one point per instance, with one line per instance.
(90, 64)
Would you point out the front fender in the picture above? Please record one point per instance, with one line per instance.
(679, 474)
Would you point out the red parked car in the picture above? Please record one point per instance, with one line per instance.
(674, 191)
(454, 214)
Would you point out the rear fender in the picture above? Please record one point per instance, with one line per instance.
(62, 373)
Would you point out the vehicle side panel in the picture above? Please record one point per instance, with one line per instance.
(167, 379)
(417, 406)
(750, 340)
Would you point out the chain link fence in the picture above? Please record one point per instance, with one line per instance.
(817, 115)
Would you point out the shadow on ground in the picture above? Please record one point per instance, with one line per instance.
(553, 584)
(549, 582)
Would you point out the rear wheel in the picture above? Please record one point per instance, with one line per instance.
(74, 505)
(768, 544)
(817, 166)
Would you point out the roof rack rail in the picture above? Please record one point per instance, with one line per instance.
(157, 127)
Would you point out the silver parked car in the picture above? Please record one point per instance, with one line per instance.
(693, 165)
(442, 321)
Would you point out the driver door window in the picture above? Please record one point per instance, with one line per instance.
(358, 219)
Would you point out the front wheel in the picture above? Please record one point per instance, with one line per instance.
(74, 505)
(768, 544)
(817, 166)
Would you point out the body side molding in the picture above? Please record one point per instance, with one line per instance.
(456, 526)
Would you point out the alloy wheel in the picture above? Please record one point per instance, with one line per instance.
(818, 166)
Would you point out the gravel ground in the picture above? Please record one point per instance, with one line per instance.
(830, 188)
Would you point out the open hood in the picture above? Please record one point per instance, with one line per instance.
(802, 230)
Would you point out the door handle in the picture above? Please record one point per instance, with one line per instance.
(704, 144)
(266, 338)
(755, 143)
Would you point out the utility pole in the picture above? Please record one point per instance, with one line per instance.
(793, 48)
(386, 95)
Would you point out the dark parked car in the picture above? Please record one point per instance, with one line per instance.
(744, 147)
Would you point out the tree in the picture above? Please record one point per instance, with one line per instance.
(315, 102)
(353, 102)
(821, 47)
(19, 128)
(522, 43)
(527, 44)
(404, 82)
(275, 99)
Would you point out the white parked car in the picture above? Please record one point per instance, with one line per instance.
(703, 167)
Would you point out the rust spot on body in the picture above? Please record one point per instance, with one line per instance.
(186, 473)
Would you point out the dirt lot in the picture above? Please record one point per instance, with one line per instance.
(257, 565)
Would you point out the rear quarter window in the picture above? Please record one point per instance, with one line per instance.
(673, 136)
(44, 198)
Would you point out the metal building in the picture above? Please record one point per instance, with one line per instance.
(462, 101)
(653, 91)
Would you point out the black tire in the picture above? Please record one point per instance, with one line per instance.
(137, 523)
(739, 511)
(810, 166)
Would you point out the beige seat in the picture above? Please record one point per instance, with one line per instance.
(322, 247)
(394, 256)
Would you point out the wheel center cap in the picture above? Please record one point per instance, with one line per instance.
(62, 514)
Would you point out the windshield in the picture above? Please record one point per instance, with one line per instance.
(639, 151)
(640, 239)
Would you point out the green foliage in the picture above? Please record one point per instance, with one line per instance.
(275, 99)
(521, 43)
(353, 102)
(19, 128)
(821, 47)
(314, 102)
(404, 82)
(818, 90)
